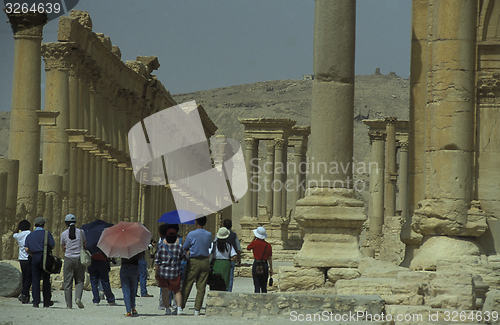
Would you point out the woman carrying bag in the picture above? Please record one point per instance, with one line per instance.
(224, 255)
(72, 241)
(262, 252)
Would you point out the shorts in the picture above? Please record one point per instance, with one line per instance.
(170, 284)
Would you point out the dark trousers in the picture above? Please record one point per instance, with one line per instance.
(99, 270)
(260, 280)
(27, 276)
(39, 274)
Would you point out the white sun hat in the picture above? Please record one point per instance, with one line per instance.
(260, 232)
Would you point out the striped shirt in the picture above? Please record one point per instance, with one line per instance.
(168, 268)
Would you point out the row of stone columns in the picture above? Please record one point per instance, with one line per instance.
(386, 137)
(279, 135)
(86, 168)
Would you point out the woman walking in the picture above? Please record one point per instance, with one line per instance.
(224, 255)
(24, 259)
(72, 240)
(262, 252)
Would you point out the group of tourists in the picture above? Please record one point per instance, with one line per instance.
(178, 265)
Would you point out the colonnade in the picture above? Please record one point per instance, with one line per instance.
(279, 134)
(386, 137)
(92, 99)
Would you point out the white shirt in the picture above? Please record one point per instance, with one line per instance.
(223, 256)
(21, 237)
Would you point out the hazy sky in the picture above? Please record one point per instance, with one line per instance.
(205, 44)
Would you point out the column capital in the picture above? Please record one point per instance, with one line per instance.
(57, 55)
(28, 25)
(376, 136)
(391, 120)
(279, 143)
(251, 143)
(403, 144)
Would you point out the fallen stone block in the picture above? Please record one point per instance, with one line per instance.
(334, 274)
(492, 304)
(292, 278)
(10, 280)
(452, 290)
(423, 315)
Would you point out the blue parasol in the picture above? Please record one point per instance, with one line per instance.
(175, 216)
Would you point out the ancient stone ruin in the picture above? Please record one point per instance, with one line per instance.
(436, 251)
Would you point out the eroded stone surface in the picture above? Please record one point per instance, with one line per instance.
(10, 280)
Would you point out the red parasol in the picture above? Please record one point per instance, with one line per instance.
(125, 239)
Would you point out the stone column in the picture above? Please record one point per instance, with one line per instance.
(98, 154)
(135, 186)
(103, 116)
(403, 179)
(443, 215)
(3, 211)
(11, 167)
(376, 208)
(330, 216)
(74, 107)
(298, 175)
(390, 167)
(284, 177)
(80, 154)
(255, 177)
(269, 170)
(279, 145)
(56, 149)
(24, 127)
(418, 101)
(250, 150)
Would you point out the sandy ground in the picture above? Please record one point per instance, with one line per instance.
(11, 310)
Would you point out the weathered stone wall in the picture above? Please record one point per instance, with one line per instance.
(278, 304)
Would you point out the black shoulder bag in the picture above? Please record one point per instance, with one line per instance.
(51, 264)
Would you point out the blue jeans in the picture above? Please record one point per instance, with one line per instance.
(129, 275)
(231, 276)
(143, 276)
(260, 280)
(99, 270)
(37, 274)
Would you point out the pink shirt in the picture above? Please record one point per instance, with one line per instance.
(72, 246)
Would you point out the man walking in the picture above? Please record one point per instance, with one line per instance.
(198, 244)
(34, 247)
(235, 242)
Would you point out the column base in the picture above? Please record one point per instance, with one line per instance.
(446, 249)
(331, 220)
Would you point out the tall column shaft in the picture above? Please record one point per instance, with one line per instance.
(418, 102)
(74, 107)
(328, 225)
(279, 145)
(332, 105)
(255, 183)
(269, 171)
(376, 170)
(403, 180)
(11, 168)
(390, 167)
(26, 93)
(297, 160)
(247, 208)
(284, 177)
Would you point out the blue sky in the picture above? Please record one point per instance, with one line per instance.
(205, 44)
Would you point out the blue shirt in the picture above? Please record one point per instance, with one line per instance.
(198, 243)
(34, 241)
